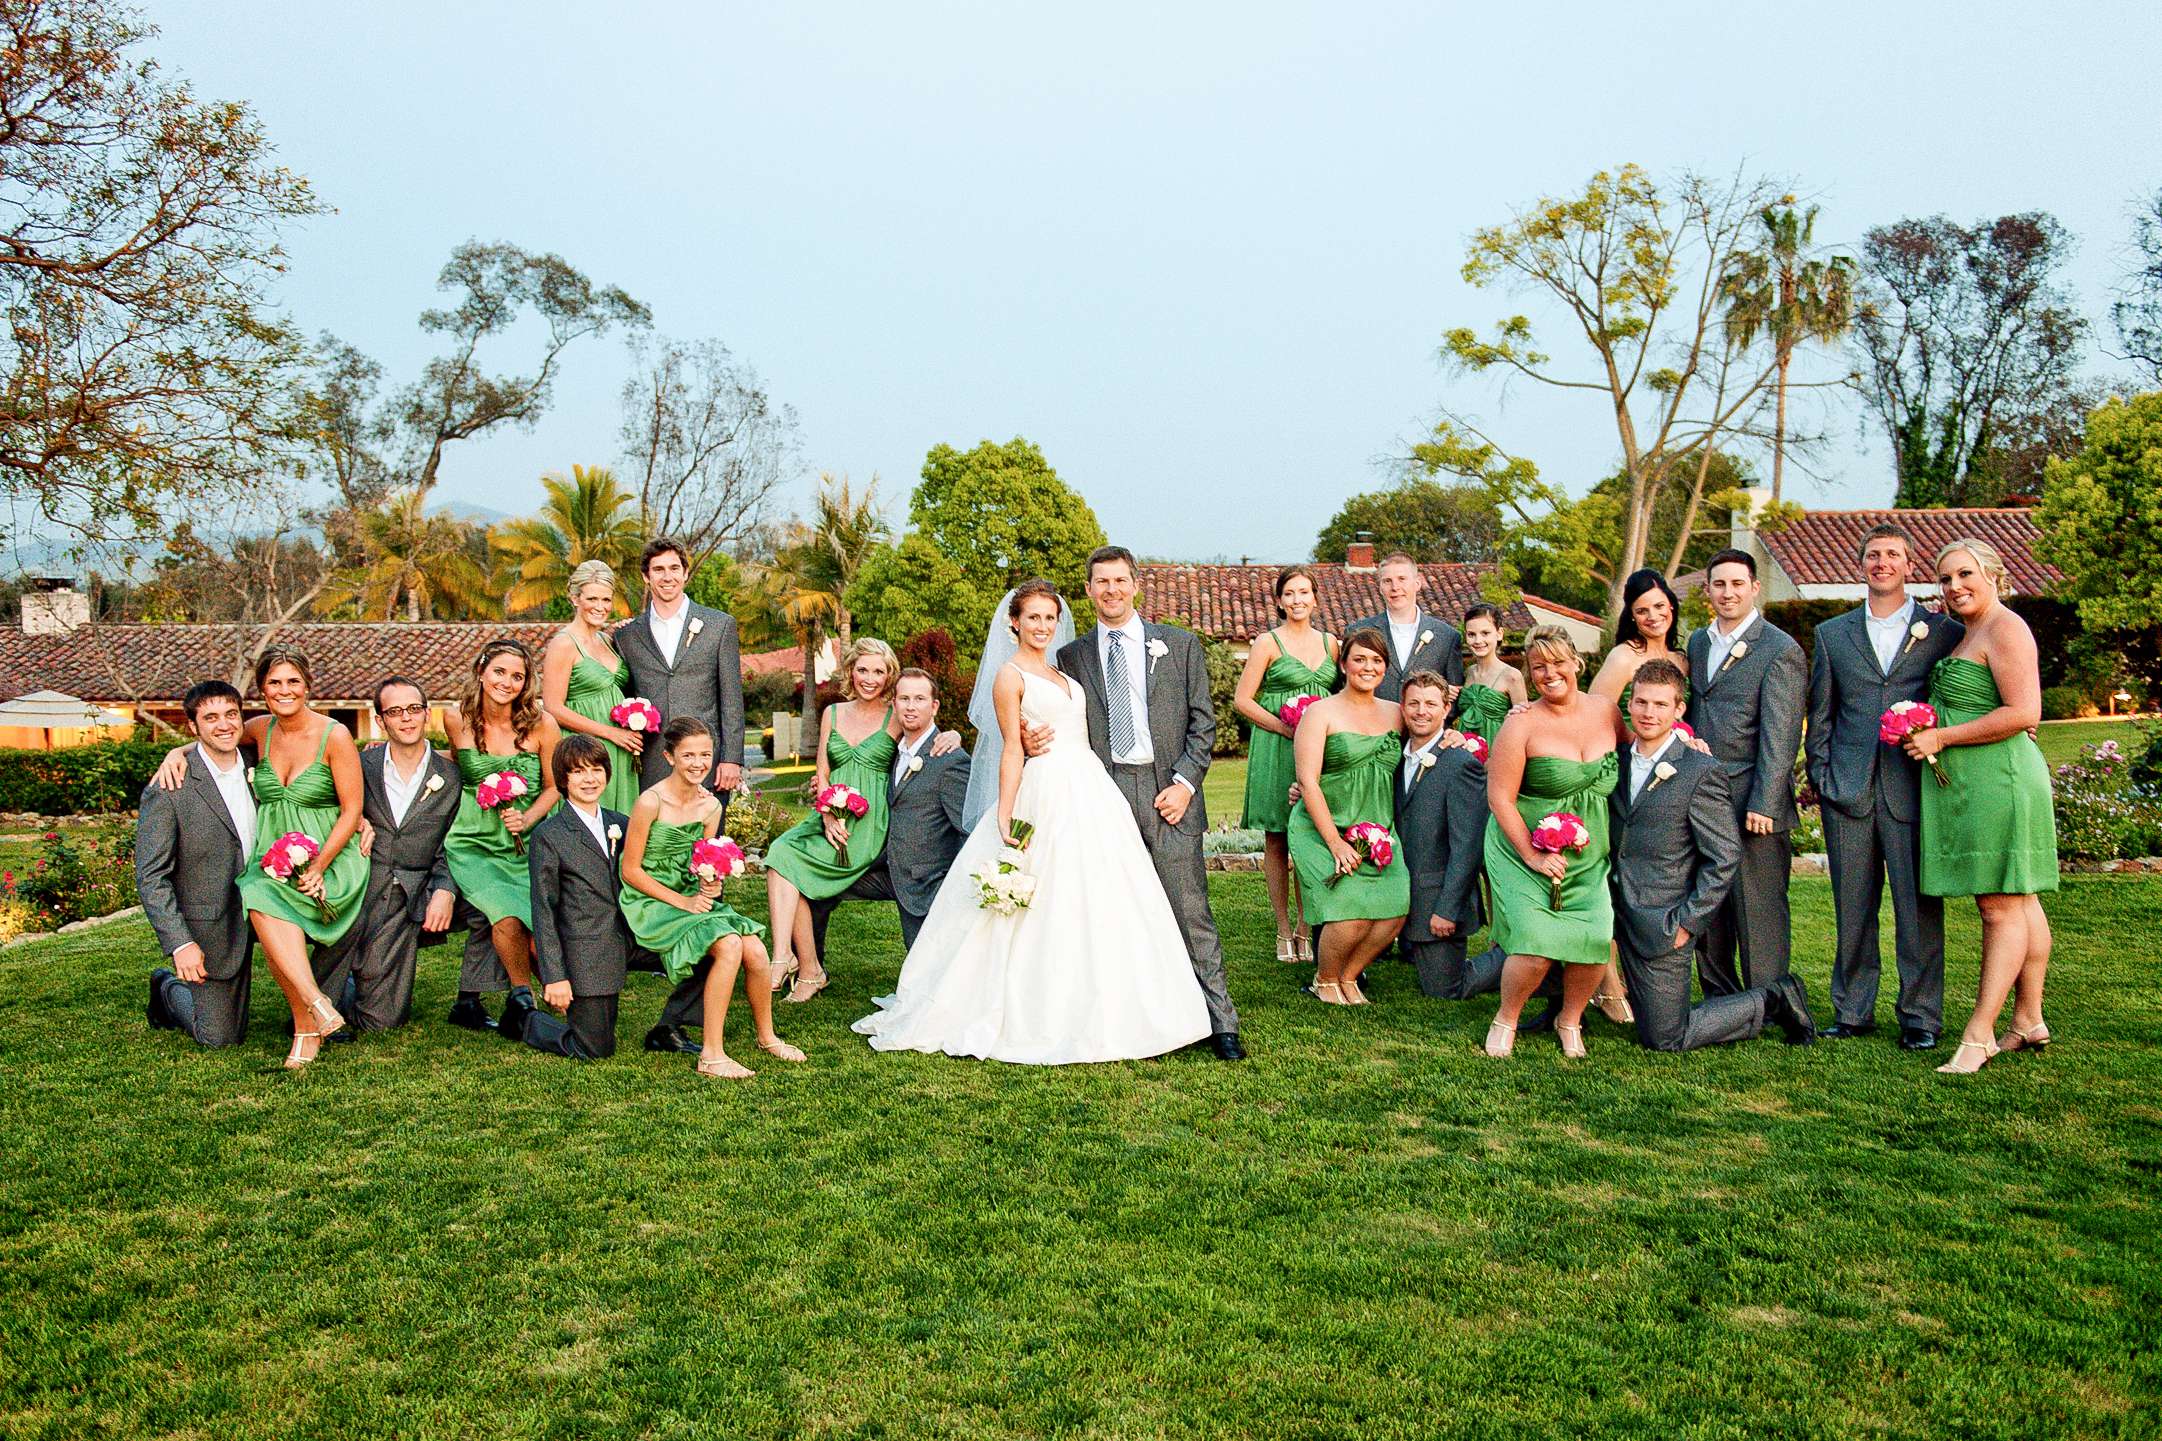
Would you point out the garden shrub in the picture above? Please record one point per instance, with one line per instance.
(92, 779)
(2101, 814)
(77, 874)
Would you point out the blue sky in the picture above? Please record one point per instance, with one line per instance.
(1201, 254)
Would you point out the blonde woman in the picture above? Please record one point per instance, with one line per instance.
(582, 680)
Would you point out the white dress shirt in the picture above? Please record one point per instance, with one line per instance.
(239, 799)
(1404, 637)
(402, 790)
(668, 630)
(1723, 641)
(1134, 641)
(907, 749)
(1888, 634)
(1641, 765)
(1411, 761)
(592, 819)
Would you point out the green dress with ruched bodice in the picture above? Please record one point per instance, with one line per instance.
(308, 804)
(1580, 932)
(1991, 831)
(1269, 769)
(1480, 710)
(804, 855)
(1358, 780)
(593, 691)
(680, 938)
(485, 863)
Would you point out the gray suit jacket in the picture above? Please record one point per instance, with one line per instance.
(187, 860)
(1182, 719)
(1441, 824)
(411, 854)
(1750, 714)
(579, 933)
(706, 681)
(923, 828)
(1444, 653)
(1849, 694)
(1674, 851)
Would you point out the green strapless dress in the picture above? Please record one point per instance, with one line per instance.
(309, 805)
(1358, 779)
(1525, 920)
(594, 691)
(1480, 710)
(489, 869)
(804, 855)
(1269, 771)
(1992, 831)
(680, 938)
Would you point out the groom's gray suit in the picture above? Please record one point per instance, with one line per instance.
(704, 679)
(1182, 735)
(1871, 812)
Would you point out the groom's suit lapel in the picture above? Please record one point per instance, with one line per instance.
(1090, 672)
(1153, 635)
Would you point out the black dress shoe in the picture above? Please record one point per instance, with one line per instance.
(160, 1018)
(472, 1015)
(511, 1025)
(670, 1039)
(1915, 1038)
(1227, 1047)
(1544, 1021)
(1786, 1005)
(1846, 1030)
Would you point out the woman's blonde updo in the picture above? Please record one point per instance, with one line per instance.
(1986, 556)
(592, 572)
(1550, 642)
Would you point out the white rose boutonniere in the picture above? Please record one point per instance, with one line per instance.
(1424, 760)
(915, 764)
(435, 783)
(1741, 648)
(1157, 651)
(1918, 631)
(697, 624)
(1664, 771)
(1426, 637)
(615, 836)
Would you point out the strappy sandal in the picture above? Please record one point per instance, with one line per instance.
(1614, 1008)
(295, 1061)
(1508, 1048)
(1954, 1068)
(781, 1050)
(329, 1020)
(804, 989)
(1573, 1050)
(1305, 943)
(783, 975)
(727, 1068)
(1287, 950)
(1353, 996)
(1329, 993)
(2035, 1038)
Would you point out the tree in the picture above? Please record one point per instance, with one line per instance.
(1420, 517)
(138, 238)
(2137, 312)
(2101, 517)
(1788, 295)
(1637, 269)
(408, 555)
(934, 653)
(337, 429)
(706, 446)
(1955, 326)
(587, 517)
(816, 563)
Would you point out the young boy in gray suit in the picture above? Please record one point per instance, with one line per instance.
(581, 943)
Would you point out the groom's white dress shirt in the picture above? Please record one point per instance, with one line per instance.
(668, 629)
(1134, 640)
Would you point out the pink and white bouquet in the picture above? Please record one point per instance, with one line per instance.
(846, 803)
(288, 856)
(1290, 711)
(1904, 719)
(1376, 847)
(637, 714)
(1560, 832)
(497, 791)
(717, 860)
(1476, 744)
(1003, 884)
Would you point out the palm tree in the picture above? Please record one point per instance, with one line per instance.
(406, 554)
(587, 517)
(1784, 293)
(814, 565)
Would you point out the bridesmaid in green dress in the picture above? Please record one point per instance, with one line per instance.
(684, 921)
(857, 742)
(1991, 833)
(1347, 753)
(499, 725)
(582, 680)
(1294, 659)
(1490, 686)
(1558, 754)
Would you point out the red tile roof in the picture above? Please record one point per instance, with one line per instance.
(1234, 602)
(789, 661)
(1818, 549)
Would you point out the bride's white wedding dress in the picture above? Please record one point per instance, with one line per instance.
(1094, 970)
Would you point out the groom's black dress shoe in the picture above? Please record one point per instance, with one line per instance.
(1916, 1038)
(157, 1013)
(511, 1025)
(1845, 1030)
(1227, 1047)
(472, 1015)
(1786, 1005)
(670, 1039)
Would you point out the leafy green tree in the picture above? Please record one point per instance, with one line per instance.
(431, 563)
(1787, 295)
(586, 517)
(2101, 517)
(1420, 517)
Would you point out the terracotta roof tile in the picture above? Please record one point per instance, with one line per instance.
(1233, 602)
(1818, 549)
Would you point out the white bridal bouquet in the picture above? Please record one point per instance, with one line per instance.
(1003, 883)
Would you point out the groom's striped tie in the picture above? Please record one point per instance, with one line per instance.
(1121, 709)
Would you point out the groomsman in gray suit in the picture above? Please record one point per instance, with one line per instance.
(581, 943)
(1748, 690)
(1441, 824)
(190, 844)
(1865, 661)
(925, 796)
(1153, 726)
(1417, 640)
(410, 797)
(683, 657)
(1675, 852)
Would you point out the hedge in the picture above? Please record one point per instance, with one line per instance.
(106, 777)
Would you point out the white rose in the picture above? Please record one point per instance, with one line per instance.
(915, 764)
(615, 833)
(1426, 637)
(1008, 856)
(1919, 630)
(697, 625)
(435, 783)
(297, 855)
(1157, 649)
(1663, 771)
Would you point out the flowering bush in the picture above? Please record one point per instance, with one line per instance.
(2103, 814)
(75, 875)
(754, 821)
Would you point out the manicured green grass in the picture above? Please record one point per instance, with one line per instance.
(1368, 1230)
(2061, 740)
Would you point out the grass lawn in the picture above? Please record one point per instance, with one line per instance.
(1368, 1230)
(2061, 740)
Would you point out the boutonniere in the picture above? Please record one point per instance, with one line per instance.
(1741, 648)
(1424, 760)
(1918, 631)
(615, 834)
(435, 783)
(915, 764)
(1157, 651)
(1426, 637)
(697, 625)
(1664, 771)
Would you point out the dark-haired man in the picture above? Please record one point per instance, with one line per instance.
(683, 657)
(190, 845)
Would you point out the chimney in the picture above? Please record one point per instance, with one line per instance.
(1359, 555)
(53, 606)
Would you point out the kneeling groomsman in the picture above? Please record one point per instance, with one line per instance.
(409, 797)
(1676, 849)
(190, 845)
(1441, 824)
(581, 943)
(925, 797)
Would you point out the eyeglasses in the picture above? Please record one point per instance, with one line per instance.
(403, 712)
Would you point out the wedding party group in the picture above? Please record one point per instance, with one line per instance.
(1620, 842)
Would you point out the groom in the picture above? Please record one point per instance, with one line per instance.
(1152, 725)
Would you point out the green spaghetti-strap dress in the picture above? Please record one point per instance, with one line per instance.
(1526, 923)
(1992, 831)
(804, 855)
(309, 804)
(593, 691)
(1480, 710)
(1358, 780)
(1269, 770)
(489, 869)
(680, 938)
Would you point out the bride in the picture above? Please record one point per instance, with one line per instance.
(1096, 968)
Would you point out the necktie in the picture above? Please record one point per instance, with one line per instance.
(1121, 711)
